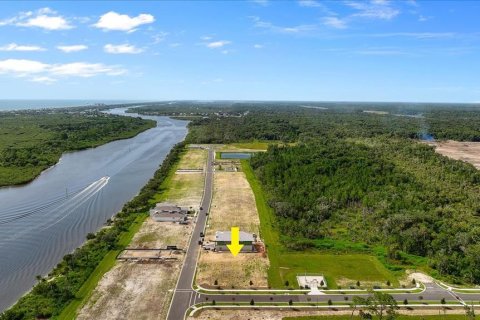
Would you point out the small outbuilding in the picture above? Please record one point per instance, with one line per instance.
(222, 238)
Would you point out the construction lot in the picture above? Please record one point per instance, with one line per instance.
(465, 151)
(233, 205)
(141, 285)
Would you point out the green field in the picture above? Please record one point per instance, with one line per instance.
(285, 265)
(440, 317)
(362, 267)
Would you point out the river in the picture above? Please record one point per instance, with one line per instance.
(42, 221)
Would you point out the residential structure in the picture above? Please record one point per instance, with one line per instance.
(167, 212)
(222, 238)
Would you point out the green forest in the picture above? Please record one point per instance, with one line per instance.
(31, 141)
(363, 179)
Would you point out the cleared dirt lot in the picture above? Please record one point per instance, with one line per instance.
(465, 151)
(233, 205)
(132, 291)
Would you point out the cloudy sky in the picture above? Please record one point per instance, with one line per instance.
(261, 50)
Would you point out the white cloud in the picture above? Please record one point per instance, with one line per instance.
(72, 48)
(309, 3)
(44, 80)
(84, 70)
(258, 46)
(122, 48)
(37, 71)
(375, 9)
(44, 18)
(122, 22)
(218, 44)
(16, 47)
(334, 22)
(258, 23)
(21, 67)
(175, 45)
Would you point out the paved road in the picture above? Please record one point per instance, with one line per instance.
(184, 295)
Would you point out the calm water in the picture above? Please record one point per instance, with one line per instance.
(44, 220)
(236, 155)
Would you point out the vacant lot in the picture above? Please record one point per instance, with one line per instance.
(132, 291)
(193, 159)
(465, 151)
(342, 269)
(160, 234)
(139, 291)
(233, 205)
(187, 189)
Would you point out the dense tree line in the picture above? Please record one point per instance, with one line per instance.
(32, 141)
(395, 193)
(293, 121)
(52, 293)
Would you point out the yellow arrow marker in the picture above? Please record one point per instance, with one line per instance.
(235, 245)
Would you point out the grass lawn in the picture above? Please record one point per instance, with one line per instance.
(105, 265)
(193, 159)
(362, 267)
(402, 317)
(285, 265)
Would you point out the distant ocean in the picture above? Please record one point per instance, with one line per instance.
(40, 104)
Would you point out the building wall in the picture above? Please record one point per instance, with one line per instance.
(245, 248)
(167, 219)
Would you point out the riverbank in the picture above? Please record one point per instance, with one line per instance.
(32, 142)
(62, 286)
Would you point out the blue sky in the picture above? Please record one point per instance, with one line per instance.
(425, 51)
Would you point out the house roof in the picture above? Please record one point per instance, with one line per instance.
(167, 215)
(227, 236)
(168, 207)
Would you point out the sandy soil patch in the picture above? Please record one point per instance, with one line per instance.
(193, 159)
(132, 291)
(279, 315)
(233, 205)
(465, 151)
(232, 271)
(154, 234)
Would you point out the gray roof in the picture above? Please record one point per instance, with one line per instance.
(227, 236)
(168, 207)
(167, 215)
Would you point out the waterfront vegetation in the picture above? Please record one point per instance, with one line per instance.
(74, 278)
(32, 141)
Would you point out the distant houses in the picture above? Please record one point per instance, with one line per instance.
(222, 238)
(167, 212)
